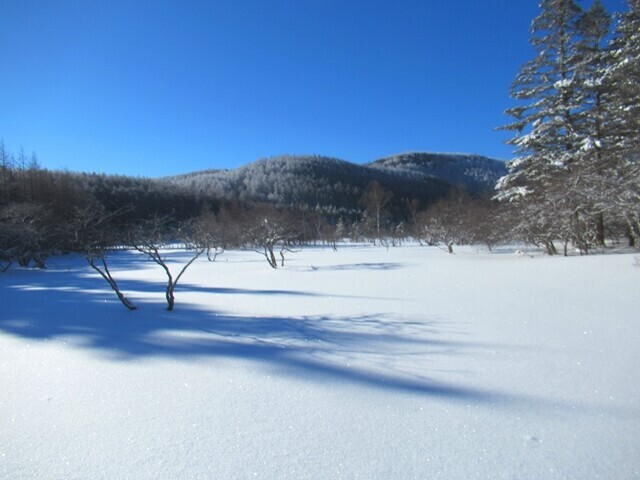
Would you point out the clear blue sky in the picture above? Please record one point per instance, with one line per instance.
(155, 87)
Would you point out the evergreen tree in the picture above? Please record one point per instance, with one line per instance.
(623, 105)
(546, 121)
(577, 126)
(594, 60)
(545, 125)
(589, 177)
(624, 79)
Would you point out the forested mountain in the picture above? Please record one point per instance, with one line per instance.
(281, 200)
(474, 172)
(336, 186)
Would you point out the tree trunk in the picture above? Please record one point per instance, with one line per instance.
(550, 247)
(271, 258)
(172, 284)
(600, 240)
(282, 256)
(169, 296)
(110, 280)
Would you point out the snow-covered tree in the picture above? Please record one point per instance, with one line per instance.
(544, 121)
(623, 104)
(590, 172)
(565, 174)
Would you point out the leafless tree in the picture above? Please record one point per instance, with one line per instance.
(414, 227)
(485, 222)
(374, 201)
(210, 233)
(447, 221)
(6, 170)
(332, 234)
(270, 229)
(159, 233)
(25, 235)
(95, 236)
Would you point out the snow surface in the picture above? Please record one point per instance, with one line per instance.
(362, 363)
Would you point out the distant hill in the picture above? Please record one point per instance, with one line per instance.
(475, 172)
(335, 186)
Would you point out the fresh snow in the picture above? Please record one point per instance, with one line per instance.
(363, 363)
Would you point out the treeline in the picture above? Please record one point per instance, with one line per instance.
(39, 208)
(46, 212)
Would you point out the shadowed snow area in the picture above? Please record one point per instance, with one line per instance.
(361, 363)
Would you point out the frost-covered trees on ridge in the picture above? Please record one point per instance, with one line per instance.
(329, 185)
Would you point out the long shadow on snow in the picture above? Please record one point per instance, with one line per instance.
(362, 266)
(244, 291)
(75, 305)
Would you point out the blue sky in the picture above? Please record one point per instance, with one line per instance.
(155, 87)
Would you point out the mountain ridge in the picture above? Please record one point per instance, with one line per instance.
(474, 172)
(335, 185)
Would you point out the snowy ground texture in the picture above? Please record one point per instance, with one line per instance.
(362, 363)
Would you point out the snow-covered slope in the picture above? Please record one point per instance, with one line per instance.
(363, 363)
(475, 172)
(337, 185)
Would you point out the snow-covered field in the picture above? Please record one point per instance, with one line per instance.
(362, 363)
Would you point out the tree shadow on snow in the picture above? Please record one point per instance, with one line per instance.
(75, 305)
(362, 266)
